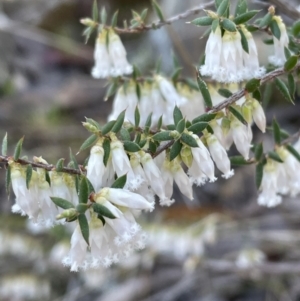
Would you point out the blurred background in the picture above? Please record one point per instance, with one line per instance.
(220, 247)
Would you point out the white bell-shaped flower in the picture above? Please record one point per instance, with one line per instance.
(258, 115)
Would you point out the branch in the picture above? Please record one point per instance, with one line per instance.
(236, 96)
(159, 24)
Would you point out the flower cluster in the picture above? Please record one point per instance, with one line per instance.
(280, 178)
(110, 56)
(225, 59)
(158, 97)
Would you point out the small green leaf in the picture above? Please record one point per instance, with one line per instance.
(119, 122)
(92, 122)
(222, 9)
(283, 89)
(144, 14)
(8, 179)
(160, 122)
(62, 203)
(209, 129)
(176, 74)
(18, 149)
(175, 150)
(244, 41)
(276, 132)
(114, 19)
(158, 10)
(259, 174)
(237, 115)
(228, 25)
(162, 136)
(268, 41)
(217, 3)
(171, 127)
(205, 92)
(189, 140)
(266, 20)
(73, 159)
(137, 116)
(215, 25)
(142, 143)
(238, 160)
(177, 115)
(138, 138)
(287, 53)
(148, 123)
(293, 151)
(258, 152)
(47, 177)
(224, 92)
(292, 85)
(245, 17)
(275, 29)
(82, 208)
(103, 16)
(28, 175)
(256, 94)
(83, 190)
(152, 147)
(106, 148)
(104, 211)
(241, 8)
(131, 146)
(124, 134)
(198, 127)
(108, 127)
(95, 11)
(202, 21)
(119, 182)
(180, 126)
(88, 142)
(90, 186)
(268, 92)
(60, 165)
(204, 118)
(84, 227)
(4, 145)
(291, 63)
(274, 156)
(252, 85)
(111, 90)
(296, 28)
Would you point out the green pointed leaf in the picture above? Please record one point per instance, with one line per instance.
(209, 129)
(125, 135)
(47, 177)
(203, 21)
(275, 29)
(138, 90)
(205, 92)
(95, 11)
(102, 219)
(18, 149)
(28, 175)
(283, 89)
(83, 191)
(119, 182)
(252, 85)
(268, 92)
(82, 208)
(237, 115)
(131, 146)
(162, 136)
(84, 227)
(274, 156)
(59, 165)
(244, 41)
(138, 138)
(111, 90)
(4, 145)
(62, 203)
(175, 150)
(241, 8)
(102, 210)
(224, 92)
(276, 132)
(176, 74)
(217, 3)
(158, 10)
(180, 126)
(287, 53)
(103, 16)
(90, 141)
(238, 160)
(144, 14)
(93, 122)
(171, 127)
(198, 127)
(8, 179)
(296, 29)
(259, 174)
(256, 94)
(291, 63)
(106, 148)
(73, 159)
(204, 118)
(108, 127)
(148, 123)
(228, 25)
(177, 115)
(91, 188)
(137, 116)
(215, 25)
(189, 140)
(268, 41)
(266, 20)
(119, 122)
(245, 17)
(223, 7)
(293, 151)
(142, 143)
(292, 85)
(284, 134)
(258, 152)
(160, 122)
(114, 19)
